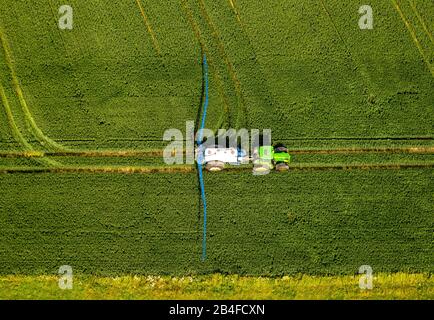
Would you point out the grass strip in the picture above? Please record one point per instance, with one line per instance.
(217, 286)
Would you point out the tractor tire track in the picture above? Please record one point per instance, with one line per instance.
(17, 135)
(236, 11)
(264, 84)
(154, 40)
(34, 129)
(159, 153)
(225, 117)
(67, 51)
(421, 21)
(192, 170)
(403, 150)
(157, 48)
(413, 35)
(102, 169)
(237, 84)
(360, 69)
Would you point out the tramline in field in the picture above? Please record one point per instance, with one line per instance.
(264, 157)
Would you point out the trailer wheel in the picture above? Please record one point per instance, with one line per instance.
(214, 166)
(282, 166)
(261, 169)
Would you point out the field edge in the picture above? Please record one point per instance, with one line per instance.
(400, 285)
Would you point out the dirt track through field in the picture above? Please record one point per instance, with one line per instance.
(35, 130)
(191, 169)
(155, 43)
(159, 153)
(226, 115)
(215, 33)
(421, 20)
(413, 35)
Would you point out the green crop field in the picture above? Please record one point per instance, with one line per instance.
(311, 222)
(83, 112)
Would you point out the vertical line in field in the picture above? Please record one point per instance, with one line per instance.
(16, 133)
(231, 69)
(34, 129)
(422, 22)
(234, 8)
(266, 94)
(196, 30)
(413, 36)
(365, 75)
(148, 26)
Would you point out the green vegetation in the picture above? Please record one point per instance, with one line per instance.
(319, 222)
(129, 70)
(217, 286)
(326, 78)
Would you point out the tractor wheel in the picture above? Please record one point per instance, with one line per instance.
(214, 166)
(261, 169)
(282, 166)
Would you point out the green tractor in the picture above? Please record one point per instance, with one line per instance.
(265, 158)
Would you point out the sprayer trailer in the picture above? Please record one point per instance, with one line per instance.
(215, 157)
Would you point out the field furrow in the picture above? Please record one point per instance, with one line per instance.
(413, 35)
(36, 131)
